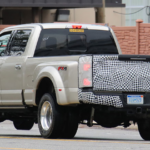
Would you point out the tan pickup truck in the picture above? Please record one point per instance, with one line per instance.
(60, 75)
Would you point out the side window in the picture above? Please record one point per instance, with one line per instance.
(19, 42)
(58, 42)
(52, 42)
(4, 39)
(100, 42)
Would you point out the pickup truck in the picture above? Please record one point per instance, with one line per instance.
(60, 75)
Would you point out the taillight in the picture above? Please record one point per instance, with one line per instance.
(86, 82)
(86, 67)
(85, 71)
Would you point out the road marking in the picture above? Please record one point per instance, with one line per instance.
(75, 140)
(19, 148)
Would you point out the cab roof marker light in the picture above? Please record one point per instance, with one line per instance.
(72, 26)
(76, 26)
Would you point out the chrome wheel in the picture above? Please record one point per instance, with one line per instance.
(46, 115)
(50, 117)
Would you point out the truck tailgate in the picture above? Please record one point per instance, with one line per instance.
(125, 75)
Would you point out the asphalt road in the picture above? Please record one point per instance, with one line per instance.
(85, 139)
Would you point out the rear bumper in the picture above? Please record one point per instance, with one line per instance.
(118, 100)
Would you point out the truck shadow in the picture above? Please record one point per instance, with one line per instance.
(107, 139)
(81, 139)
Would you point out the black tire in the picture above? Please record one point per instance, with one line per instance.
(144, 129)
(50, 125)
(71, 125)
(2, 120)
(23, 124)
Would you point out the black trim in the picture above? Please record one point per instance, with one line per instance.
(134, 57)
(23, 99)
(52, 5)
(115, 5)
(123, 97)
(61, 4)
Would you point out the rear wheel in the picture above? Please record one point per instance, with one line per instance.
(144, 129)
(50, 117)
(23, 124)
(71, 125)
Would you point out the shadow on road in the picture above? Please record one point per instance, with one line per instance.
(107, 139)
(74, 139)
(20, 136)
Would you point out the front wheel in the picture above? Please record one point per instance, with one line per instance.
(144, 129)
(50, 117)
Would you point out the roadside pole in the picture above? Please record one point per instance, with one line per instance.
(100, 15)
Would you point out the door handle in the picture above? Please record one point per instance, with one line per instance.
(18, 67)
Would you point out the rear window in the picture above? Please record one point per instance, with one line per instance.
(55, 42)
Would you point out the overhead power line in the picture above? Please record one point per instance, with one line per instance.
(147, 12)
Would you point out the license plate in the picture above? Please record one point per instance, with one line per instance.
(135, 99)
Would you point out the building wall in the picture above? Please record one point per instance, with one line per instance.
(48, 15)
(127, 39)
(16, 15)
(144, 39)
(133, 6)
(88, 15)
(82, 15)
(5, 26)
(114, 18)
(134, 40)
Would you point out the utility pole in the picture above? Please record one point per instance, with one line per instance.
(100, 15)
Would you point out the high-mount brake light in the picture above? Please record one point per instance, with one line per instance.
(85, 71)
(76, 26)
